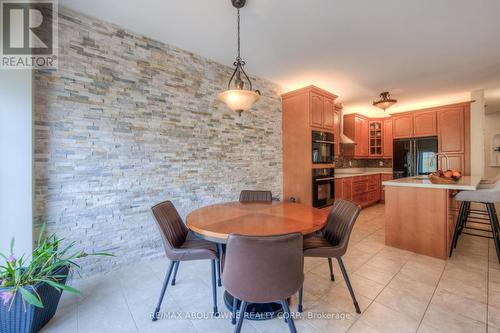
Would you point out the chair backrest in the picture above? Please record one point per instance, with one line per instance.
(172, 228)
(340, 222)
(263, 269)
(255, 196)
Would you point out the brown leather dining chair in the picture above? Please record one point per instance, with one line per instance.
(181, 245)
(255, 196)
(263, 270)
(333, 241)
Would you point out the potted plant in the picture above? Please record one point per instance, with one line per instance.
(31, 287)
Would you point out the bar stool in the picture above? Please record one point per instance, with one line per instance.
(487, 194)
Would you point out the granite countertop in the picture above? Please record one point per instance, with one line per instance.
(354, 172)
(465, 183)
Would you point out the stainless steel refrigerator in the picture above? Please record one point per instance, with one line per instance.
(414, 157)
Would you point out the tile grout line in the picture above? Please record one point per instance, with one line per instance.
(383, 290)
(430, 300)
(128, 306)
(373, 300)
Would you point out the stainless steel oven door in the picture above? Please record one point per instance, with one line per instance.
(323, 192)
(322, 152)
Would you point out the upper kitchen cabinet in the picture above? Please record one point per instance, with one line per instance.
(451, 135)
(402, 125)
(317, 108)
(356, 127)
(424, 124)
(328, 114)
(387, 143)
(376, 138)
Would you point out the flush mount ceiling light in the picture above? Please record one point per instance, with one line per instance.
(385, 101)
(236, 97)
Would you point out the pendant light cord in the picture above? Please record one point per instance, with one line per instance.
(239, 57)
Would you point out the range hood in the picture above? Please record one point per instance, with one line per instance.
(344, 139)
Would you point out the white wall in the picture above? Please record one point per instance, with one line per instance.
(477, 133)
(16, 210)
(492, 128)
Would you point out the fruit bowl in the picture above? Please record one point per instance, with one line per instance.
(445, 177)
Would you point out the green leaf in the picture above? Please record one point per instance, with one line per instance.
(65, 287)
(30, 298)
(12, 245)
(42, 231)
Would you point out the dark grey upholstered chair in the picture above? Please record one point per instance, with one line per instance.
(333, 241)
(263, 270)
(488, 193)
(255, 196)
(181, 245)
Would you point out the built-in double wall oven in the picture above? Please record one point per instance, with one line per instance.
(322, 147)
(323, 187)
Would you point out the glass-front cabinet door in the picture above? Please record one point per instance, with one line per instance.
(375, 138)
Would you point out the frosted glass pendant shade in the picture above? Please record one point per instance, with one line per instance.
(239, 100)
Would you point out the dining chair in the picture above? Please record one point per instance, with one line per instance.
(332, 242)
(256, 196)
(181, 245)
(263, 270)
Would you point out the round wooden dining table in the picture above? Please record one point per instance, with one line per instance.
(216, 222)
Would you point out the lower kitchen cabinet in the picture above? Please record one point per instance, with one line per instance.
(362, 190)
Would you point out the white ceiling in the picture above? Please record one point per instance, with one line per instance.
(425, 52)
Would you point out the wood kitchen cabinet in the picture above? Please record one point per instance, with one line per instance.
(317, 107)
(450, 123)
(425, 124)
(375, 138)
(451, 130)
(387, 144)
(356, 127)
(402, 126)
(455, 162)
(384, 177)
(303, 111)
(347, 189)
(328, 114)
(362, 190)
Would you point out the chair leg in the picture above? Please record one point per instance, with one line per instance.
(243, 309)
(288, 316)
(494, 229)
(176, 267)
(214, 288)
(219, 264)
(348, 283)
(460, 216)
(331, 269)
(299, 307)
(235, 310)
(163, 289)
(463, 222)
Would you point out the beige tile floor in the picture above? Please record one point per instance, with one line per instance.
(398, 291)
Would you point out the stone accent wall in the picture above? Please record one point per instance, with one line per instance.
(126, 122)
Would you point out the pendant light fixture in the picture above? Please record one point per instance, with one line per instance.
(236, 97)
(385, 101)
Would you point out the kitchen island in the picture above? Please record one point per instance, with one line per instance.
(421, 216)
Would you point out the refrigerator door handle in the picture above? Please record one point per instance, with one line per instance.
(410, 160)
(417, 157)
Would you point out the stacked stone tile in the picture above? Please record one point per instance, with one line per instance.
(126, 122)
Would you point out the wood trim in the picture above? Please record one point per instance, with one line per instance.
(432, 108)
(310, 88)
